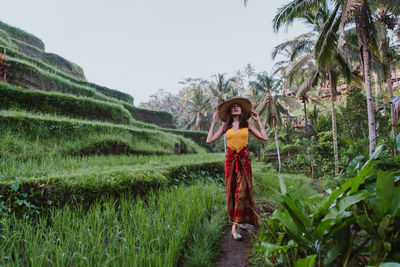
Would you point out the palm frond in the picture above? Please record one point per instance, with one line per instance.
(306, 85)
(297, 67)
(392, 5)
(327, 41)
(291, 11)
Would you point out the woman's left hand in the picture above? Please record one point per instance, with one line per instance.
(255, 116)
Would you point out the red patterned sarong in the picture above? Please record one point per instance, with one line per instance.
(238, 187)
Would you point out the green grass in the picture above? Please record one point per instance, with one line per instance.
(56, 103)
(203, 246)
(84, 180)
(22, 35)
(22, 73)
(266, 183)
(21, 132)
(155, 231)
(53, 59)
(51, 68)
(5, 40)
(31, 75)
(63, 166)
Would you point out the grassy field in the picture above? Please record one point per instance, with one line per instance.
(62, 166)
(174, 226)
(267, 187)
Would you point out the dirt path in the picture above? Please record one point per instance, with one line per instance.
(232, 252)
(235, 253)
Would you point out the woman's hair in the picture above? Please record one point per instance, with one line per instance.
(243, 123)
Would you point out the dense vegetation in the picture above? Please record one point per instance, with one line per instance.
(88, 178)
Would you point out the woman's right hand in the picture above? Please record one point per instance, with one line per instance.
(216, 116)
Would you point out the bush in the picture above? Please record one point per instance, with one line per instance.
(61, 104)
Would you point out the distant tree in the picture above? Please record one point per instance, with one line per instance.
(269, 104)
(197, 108)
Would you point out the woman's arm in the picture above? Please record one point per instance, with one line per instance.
(211, 137)
(258, 133)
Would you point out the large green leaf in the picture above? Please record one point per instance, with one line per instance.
(389, 264)
(323, 208)
(375, 155)
(333, 253)
(365, 223)
(384, 224)
(323, 228)
(384, 192)
(306, 262)
(282, 184)
(296, 212)
(337, 212)
(339, 226)
(286, 220)
(354, 165)
(365, 172)
(269, 248)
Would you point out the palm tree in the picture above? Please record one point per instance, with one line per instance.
(270, 105)
(197, 108)
(332, 35)
(222, 89)
(326, 70)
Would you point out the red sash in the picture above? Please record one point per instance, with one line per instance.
(238, 187)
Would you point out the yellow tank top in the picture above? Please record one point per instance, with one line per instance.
(237, 140)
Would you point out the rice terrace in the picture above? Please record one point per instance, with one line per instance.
(294, 164)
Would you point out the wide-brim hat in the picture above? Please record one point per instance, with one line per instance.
(224, 107)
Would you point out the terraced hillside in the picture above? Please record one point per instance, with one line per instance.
(47, 112)
(33, 68)
(69, 148)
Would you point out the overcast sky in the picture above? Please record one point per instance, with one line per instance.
(141, 46)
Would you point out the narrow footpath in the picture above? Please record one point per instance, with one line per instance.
(232, 252)
(235, 253)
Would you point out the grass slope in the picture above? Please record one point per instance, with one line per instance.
(32, 75)
(22, 35)
(18, 98)
(51, 69)
(25, 135)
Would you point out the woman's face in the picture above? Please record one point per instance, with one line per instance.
(236, 109)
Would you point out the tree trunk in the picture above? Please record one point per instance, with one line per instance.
(389, 65)
(277, 145)
(305, 111)
(198, 117)
(376, 91)
(363, 41)
(334, 130)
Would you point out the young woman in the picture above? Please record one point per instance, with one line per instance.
(238, 175)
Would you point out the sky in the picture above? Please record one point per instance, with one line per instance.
(139, 47)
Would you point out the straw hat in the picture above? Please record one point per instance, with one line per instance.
(224, 107)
